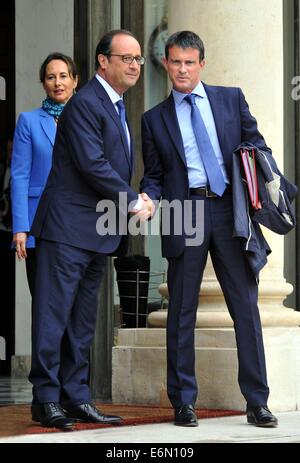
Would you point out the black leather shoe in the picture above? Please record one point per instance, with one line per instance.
(51, 415)
(261, 416)
(185, 416)
(90, 414)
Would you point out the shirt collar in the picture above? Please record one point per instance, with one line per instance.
(113, 95)
(198, 90)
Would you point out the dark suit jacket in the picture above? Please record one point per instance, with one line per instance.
(166, 174)
(91, 162)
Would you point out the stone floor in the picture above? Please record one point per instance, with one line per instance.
(233, 429)
(215, 430)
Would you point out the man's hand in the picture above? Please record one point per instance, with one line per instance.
(145, 208)
(149, 204)
(20, 240)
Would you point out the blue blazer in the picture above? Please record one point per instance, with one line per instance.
(166, 174)
(91, 162)
(31, 163)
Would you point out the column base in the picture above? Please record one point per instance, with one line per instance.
(20, 366)
(139, 362)
(221, 318)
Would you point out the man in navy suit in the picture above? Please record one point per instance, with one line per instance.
(188, 144)
(92, 162)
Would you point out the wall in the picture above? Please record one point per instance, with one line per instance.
(42, 26)
(156, 90)
(289, 139)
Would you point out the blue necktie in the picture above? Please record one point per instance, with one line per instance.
(122, 114)
(212, 167)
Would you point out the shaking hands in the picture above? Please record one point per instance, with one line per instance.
(144, 208)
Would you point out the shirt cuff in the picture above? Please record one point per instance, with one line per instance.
(139, 204)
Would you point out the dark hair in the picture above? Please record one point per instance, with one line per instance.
(185, 39)
(104, 46)
(66, 59)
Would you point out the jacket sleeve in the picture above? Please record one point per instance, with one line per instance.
(153, 170)
(20, 174)
(250, 132)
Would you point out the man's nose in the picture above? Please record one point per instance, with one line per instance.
(182, 68)
(134, 64)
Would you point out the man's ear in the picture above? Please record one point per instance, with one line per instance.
(202, 64)
(165, 63)
(102, 60)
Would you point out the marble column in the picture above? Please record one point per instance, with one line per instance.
(238, 54)
(244, 49)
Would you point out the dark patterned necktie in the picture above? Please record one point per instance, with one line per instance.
(122, 115)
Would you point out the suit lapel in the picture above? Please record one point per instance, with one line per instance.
(109, 107)
(216, 102)
(169, 116)
(131, 150)
(48, 125)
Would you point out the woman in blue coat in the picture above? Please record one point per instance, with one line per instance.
(32, 152)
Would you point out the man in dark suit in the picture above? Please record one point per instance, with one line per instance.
(92, 162)
(188, 144)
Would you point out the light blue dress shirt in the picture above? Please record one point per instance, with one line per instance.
(196, 172)
(115, 97)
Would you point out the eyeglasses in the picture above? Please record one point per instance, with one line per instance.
(128, 59)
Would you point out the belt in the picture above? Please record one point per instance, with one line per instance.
(203, 191)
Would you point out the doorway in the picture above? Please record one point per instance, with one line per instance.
(7, 123)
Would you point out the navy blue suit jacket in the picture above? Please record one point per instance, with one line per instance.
(91, 162)
(166, 175)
